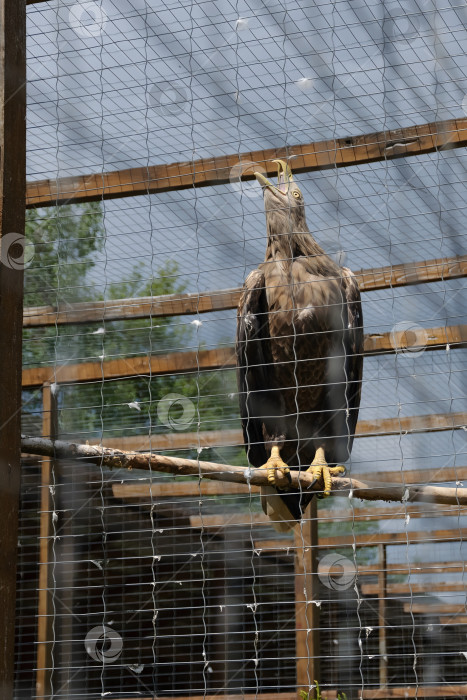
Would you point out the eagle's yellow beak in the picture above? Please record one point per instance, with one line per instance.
(284, 178)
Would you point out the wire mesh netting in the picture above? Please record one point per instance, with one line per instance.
(135, 583)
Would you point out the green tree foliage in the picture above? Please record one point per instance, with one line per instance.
(319, 696)
(65, 239)
(68, 241)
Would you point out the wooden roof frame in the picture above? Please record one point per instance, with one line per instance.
(309, 157)
(371, 279)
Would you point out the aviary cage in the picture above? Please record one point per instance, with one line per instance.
(145, 123)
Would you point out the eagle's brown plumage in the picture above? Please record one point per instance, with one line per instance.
(299, 347)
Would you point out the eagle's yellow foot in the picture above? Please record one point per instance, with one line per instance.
(319, 469)
(274, 463)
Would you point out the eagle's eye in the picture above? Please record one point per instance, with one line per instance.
(296, 194)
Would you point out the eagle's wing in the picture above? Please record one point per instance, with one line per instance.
(253, 360)
(258, 400)
(353, 348)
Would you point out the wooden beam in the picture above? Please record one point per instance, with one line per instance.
(139, 307)
(417, 568)
(412, 424)
(446, 567)
(333, 515)
(434, 609)
(453, 619)
(245, 696)
(341, 486)
(224, 358)
(369, 540)
(307, 614)
(174, 441)
(215, 522)
(405, 275)
(402, 589)
(309, 157)
(12, 248)
(45, 607)
(427, 423)
(418, 691)
(191, 489)
(434, 270)
(420, 476)
(172, 363)
(429, 339)
(395, 513)
(392, 693)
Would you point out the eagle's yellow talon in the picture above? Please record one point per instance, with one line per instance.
(276, 464)
(320, 470)
(335, 471)
(327, 481)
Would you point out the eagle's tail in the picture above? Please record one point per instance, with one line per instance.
(275, 508)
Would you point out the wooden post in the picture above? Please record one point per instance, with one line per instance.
(44, 618)
(12, 208)
(382, 593)
(306, 591)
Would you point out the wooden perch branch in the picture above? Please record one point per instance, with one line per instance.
(341, 486)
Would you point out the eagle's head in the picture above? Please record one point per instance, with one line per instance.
(284, 205)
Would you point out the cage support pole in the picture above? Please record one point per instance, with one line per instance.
(341, 486)
(382, 594)
(45, 608)
(307, 618)
(12, 210)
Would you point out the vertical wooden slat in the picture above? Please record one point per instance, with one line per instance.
(12, 208)
(382, 594)
(306, 591)
(64, 551)
(44, 619)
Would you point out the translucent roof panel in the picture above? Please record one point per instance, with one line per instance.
(120, 83)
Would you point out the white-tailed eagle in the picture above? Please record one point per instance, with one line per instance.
(299, 355)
